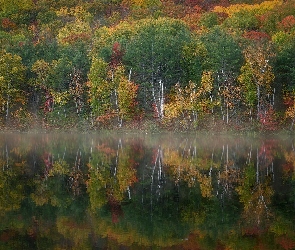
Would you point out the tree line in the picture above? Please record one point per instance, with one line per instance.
(175, 64)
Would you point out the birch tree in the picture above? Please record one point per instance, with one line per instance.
(154, 54)
(257, 73)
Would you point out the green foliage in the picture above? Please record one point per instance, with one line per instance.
(12, 75)
(155, 51)
(127, 95)
(248, 85)
(208, 20)
(99, 88)
(194, 56)
(104, 38)
(224, 53)
(244, 20)
(284, 66)
(14, 6)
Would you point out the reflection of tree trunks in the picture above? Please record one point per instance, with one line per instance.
(7, 157)
(119, 147)
(249, 155)
(257, 167)
(7, 102)
(157, 167)
(258, 101)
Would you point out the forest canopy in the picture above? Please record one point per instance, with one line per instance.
(189, 64)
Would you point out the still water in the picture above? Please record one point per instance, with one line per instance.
(138, 191)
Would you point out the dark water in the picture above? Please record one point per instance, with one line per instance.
(70, 191)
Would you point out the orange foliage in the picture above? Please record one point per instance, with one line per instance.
(117, 55)
(192, 19)
(107, 150)
(288, 100)
(107, 118)
(256, 35)
(170, 9)
(287, 23)
(7, 235)
(75, 37)
(253, 231)
(268, 120)
(6, 23)
(286, 242)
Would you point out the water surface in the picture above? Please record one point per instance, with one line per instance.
(139, 191)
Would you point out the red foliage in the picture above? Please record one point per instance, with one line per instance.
(106, 149)
(256, 35)
(47, 158)
(6, 23)
(107, 118)
(268, 120)
(77, 37)
(7, 235)
(287, 23)
(252, 231)
(288, 100)
(48, 105)
(191, 3)
(116, 210)
(117, 55)
(266, 152)
(288, 167)
(285, 242)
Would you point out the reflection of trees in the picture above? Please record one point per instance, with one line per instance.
(146, 193)
(12, 184)
(111, 174)
(151, 217)
(256, 199)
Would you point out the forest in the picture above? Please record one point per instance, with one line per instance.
(147, 64)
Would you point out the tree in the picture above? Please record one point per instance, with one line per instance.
(99, 88)
(224, 59)
(127, 98)
(224, 53)
(257, 72)
(12, 78)
(154, 55)
(190, 103)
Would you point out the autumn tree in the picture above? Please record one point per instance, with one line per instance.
(257, 75)
(224, 59)
(191, 103)
(12, 76)
(154, 54)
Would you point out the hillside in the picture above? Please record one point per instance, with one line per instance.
(178, 65)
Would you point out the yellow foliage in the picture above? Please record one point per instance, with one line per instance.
(205, 185)
(142, 3)
(77, 12)
(73, 31)
(207, 81)
(290, 112)
(258, 9)
(60, 98)
(60, 167)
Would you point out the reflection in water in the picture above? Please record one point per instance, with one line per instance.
(67, 191)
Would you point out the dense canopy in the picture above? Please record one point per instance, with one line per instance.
(140, 64)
